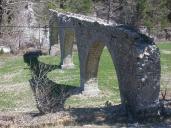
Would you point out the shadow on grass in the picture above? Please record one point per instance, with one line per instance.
(50, 96)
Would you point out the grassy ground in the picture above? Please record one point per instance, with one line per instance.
(16, 95)
(165, 50)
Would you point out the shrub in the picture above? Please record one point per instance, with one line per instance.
(76, 6)
(79, 6)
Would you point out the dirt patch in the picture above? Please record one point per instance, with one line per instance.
(79, 117)
(2, 64)
(16, 120)
(166, 79)
(165, 52)
(9, 76)
(18, 87)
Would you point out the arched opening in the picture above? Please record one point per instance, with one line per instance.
(107, 78)
(100, 75)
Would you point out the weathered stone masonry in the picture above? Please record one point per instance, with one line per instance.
(135, 56)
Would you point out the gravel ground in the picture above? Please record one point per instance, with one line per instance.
(79, 117)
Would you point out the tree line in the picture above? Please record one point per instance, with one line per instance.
(149, 13)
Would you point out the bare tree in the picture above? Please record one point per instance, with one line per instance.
(23, 24)
(121, 11)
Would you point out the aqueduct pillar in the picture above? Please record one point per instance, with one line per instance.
(65, 35)
(66, 45)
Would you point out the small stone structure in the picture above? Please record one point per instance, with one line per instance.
(135, 56)
(5, 49)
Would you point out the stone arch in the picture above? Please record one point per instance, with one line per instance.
(135, 56)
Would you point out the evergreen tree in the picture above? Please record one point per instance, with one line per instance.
(76, 6)
(152, 13)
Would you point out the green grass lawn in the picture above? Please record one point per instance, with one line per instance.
(165, 50)
(16, 95)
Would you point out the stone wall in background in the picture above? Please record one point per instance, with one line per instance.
(25, 25)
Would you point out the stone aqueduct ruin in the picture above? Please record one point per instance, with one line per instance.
(135, 56)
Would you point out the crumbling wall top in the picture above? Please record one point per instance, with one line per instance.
(83, 18)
